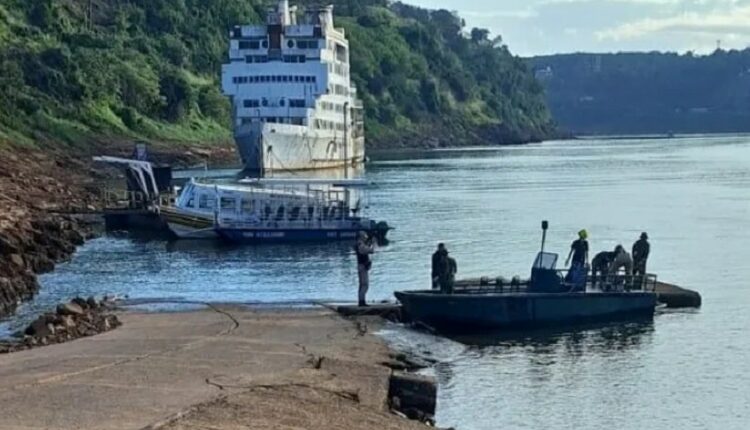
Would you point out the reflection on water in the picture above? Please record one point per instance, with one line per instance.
(685, 370)
(616, 336)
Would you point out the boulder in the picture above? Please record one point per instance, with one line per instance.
(74, 237)
(71, 309)
(7, 247)
(42, 264)
(51, 318)
(83, 303)
(17, 260)
(40, 328)
(68, 322)
(92, 303)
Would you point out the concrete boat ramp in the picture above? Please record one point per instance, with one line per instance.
(218, 368)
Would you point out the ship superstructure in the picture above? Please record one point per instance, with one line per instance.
(294, 107)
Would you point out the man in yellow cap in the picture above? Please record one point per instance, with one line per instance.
(579, 254)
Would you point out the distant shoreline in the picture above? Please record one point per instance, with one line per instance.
(657, 136)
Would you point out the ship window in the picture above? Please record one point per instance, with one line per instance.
(248, 206)
(267, 211)
(252, 103)
(297, 103)
(265, 102)
(290, 44)
(282, 102)
(280, 213)
(254, 44)
(228, 204)
(341, 53)
(265, 44)
(206, 202)
(298, 121)
(294, 214)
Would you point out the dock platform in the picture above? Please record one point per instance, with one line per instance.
(389, 311)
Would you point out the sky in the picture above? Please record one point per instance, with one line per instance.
(535, 27)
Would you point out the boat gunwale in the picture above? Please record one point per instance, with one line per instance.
(493, 294)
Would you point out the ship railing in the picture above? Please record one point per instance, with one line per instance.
(617, 282)
(118, 199)
(622, 282)
(123, 199)
(491, 286)
(604, 283)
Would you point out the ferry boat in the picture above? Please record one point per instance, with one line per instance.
(545, 299)
(270, 210)
(294, 106)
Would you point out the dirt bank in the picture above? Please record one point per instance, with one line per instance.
(222, 368)
(39, 192)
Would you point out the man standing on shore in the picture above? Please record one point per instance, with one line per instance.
(365, 248)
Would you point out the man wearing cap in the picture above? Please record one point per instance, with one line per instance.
(641, 250)
(579, 253)
(365, 248)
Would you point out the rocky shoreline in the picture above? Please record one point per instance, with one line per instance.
(76, 319)
(42, 194)
(38, 195)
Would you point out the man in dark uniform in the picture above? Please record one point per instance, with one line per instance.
(641, 251)
(579, 253)
(600, 267)
(447, 268)
(364, 249)
(436, 259)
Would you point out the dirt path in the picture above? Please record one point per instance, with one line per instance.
(221, 368)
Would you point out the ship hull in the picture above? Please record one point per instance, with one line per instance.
(472, 312)
(266, 148)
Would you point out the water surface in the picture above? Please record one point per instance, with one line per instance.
(687, 369)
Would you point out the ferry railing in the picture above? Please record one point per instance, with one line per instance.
(622, 282)
(606, 283)
(122, 199)
(491, 286)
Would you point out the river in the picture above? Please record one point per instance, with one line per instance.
(688, 369)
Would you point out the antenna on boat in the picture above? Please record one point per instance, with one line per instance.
(545, 227)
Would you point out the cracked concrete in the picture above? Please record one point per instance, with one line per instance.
(220, 368)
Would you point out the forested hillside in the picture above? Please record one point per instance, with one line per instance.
(149, 69)
(644, 93)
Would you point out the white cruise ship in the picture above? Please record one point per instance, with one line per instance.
(294, 105)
